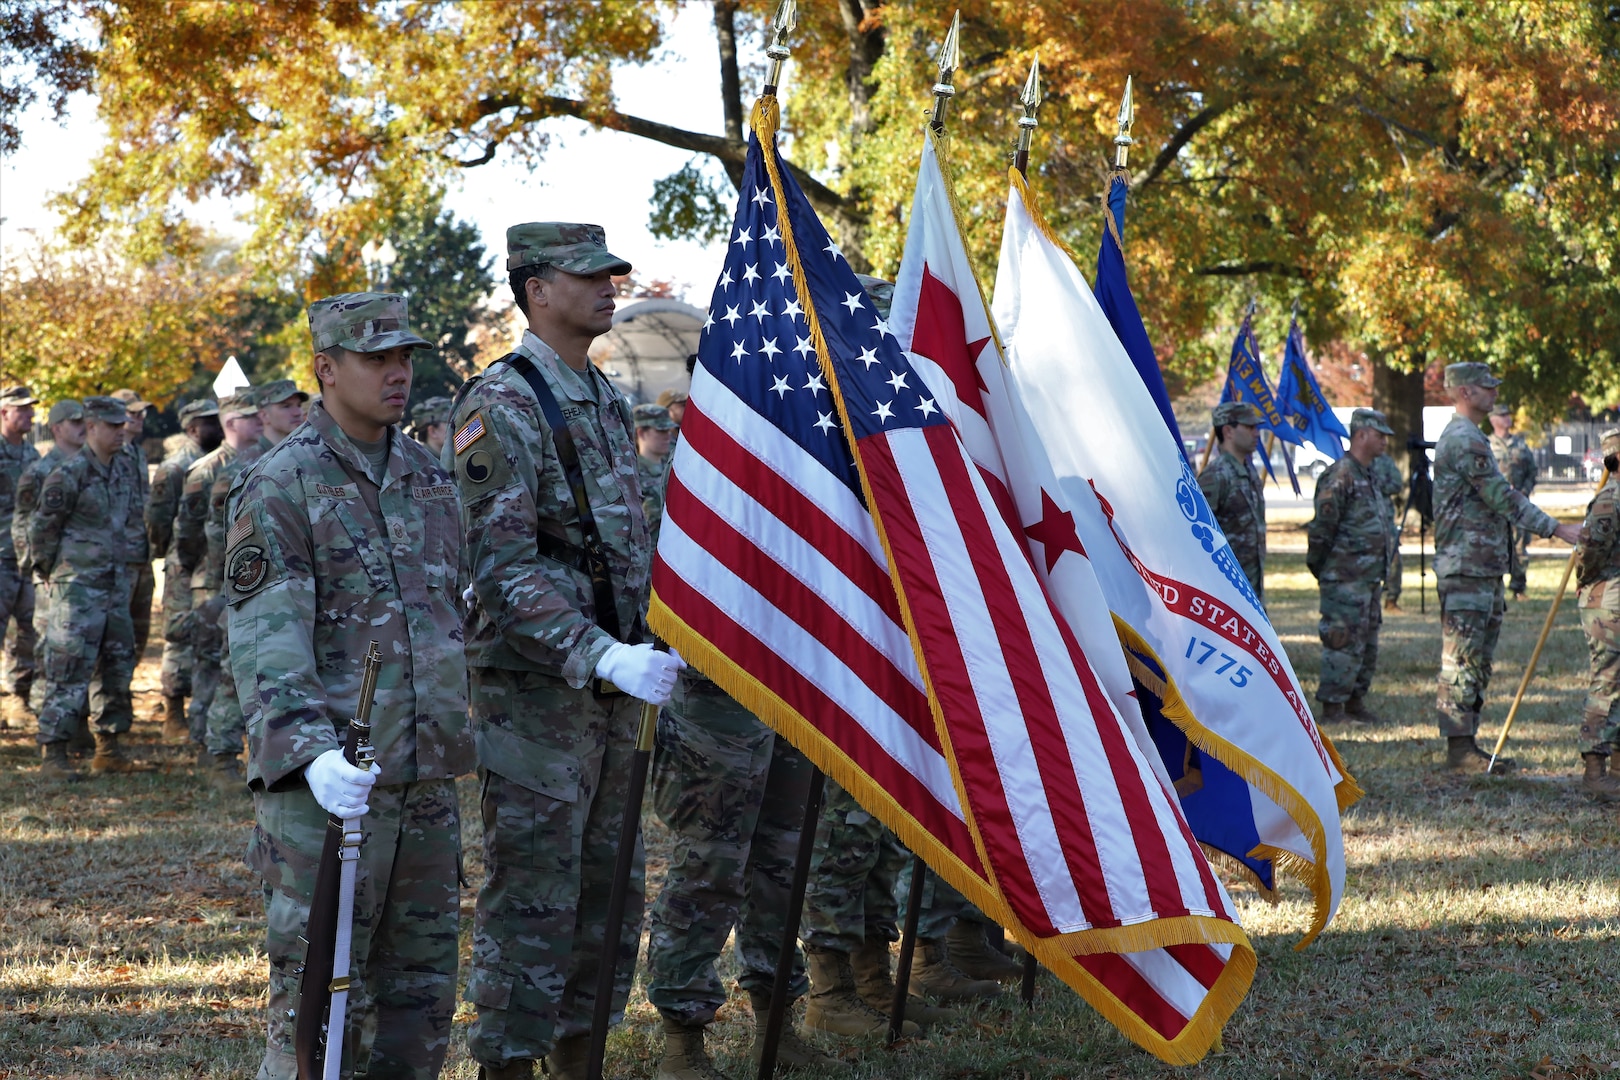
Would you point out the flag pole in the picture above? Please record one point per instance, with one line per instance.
(949, 55)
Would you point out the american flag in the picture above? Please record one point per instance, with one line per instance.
(832, 558)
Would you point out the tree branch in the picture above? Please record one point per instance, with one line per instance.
(1249, 269)
(1184, 135)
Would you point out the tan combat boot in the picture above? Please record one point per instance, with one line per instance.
(834, 1005)
(874, 981)
(792, 1052)
(1605, 789)
(1356, 709)
(521, 1069)
(975, 956)
(933, 974)
(1463, 755)
(1331, 712)
(226, 775)
(684, 1056)
(175, 728)
(569, 1057)
(110, 757)
(54, 763)
(18, 713)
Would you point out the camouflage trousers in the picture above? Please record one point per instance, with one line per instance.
(207, 649)
(16, 603)
(87, 659)
(1600, 618)
(1392, 570)
(733, 794)
(225, 727)
(407, 914)
(140, 604)
(555, 769)
(1471, 611)
(177, 655)
(1521, 559)
(1352, 613)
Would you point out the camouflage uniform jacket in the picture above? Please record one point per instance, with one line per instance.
(532, 612)
(1348, 539)
(1599, 559)
(1474, 507)
(213, 564)
(143, 495)
(1233, 490)
(13, 460)
(322, 559)
(651, 474)
(191, 522)
(163, 504)
(27, 499)
(1516, 460)
(88, 524)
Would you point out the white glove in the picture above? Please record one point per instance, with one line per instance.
(641, 671)
(467, 594)
(340, 788)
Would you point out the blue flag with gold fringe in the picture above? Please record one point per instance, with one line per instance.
(1301, 400)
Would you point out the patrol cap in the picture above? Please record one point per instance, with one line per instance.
(1609, 442)
(435, 410)
(1370, 418)
(1500, 409)
(274, 393)
(1235, 412)
(673, 397)
(132, 401)
(362, 322)
(571, 247)
(1470, 373)
(191, 410)
(109, 410)
(880, 291)
(242, 403)
(16, 397)
(654, 416)
(66, 409)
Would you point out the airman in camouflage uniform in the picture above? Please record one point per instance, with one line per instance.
(239, 417)
(1347, 551)
(199, 421)
(80, 538)
(66, 420)
(1518, 464)
(1387, 478)
(346, 532)
(553, 743)
(1232, 487)
(1598, 573)
(430, 423)
(142, 581)
(1474, 510)
(654, 434)
(16, 589)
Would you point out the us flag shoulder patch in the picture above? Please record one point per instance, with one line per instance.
(470, 432)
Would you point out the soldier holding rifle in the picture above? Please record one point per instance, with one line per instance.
(348, 532)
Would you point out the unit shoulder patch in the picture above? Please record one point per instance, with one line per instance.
(249, 568)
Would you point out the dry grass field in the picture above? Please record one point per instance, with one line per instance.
(1480, 936)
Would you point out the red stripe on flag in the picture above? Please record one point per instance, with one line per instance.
(1127, 984)
(1201, 961)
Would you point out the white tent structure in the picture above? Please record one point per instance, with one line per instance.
(645, 352)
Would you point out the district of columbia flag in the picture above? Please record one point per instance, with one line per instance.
(1166, 570)
(1301, 399)
(833, 559)
(939, 317)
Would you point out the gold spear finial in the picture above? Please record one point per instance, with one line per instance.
(782, 24)
(1127, 116)
(949, 53)
(1030, 99)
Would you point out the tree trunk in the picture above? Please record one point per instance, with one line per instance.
(1399, 396)
(725, 32)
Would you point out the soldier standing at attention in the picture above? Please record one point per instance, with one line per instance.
(1388, 479)
(80, 537)
(16, 589)
(1347, 551)
(1474, 511)
(544, 452)
(655, 433)
(1231, 486)
(1518, 464)
(66, 420)
(1598, 572)
(430, 424)
(141, 579)
(344, 533)
(199, 420)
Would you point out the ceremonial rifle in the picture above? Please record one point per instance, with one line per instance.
(323, 992)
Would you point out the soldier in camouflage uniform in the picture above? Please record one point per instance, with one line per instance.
(142, 581)
(1474, 511)
(16, 589)
(281, 411)
(430, 423)
(346, 532)
(1347, 551)
(1387, 478)
(654, 437)
(66, 420)
(1518, 464)
(1598, 572)
(553, 742)
(199, 422)
(80, 538)
(239, 419)
(674, 402)
(1232, 487)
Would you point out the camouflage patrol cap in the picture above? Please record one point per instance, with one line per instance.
(132, 401)
(66, 409)
(654, 416)
(1609, 442)
(16, 397)
(1470, 373)
(576, 249)
(880, 291)
(274, 393)
(435, 410)
(362, 322)
(192, 410)
(1234, 412)
(109, 410)
(1370, 418)
(673, 397)
(245, 402)
(1500, 409)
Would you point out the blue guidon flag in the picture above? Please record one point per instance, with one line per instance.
(1301, 399)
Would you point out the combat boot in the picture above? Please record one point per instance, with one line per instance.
(175, 728)
(569, 1057)
(521, 1069)
(1331, 712)
(110, 757)
(684, 1056)
(875, 983)
(933, 974)
(54, 763)
(1356, 709)
(834, 1005)
(1605, 789)
(81, 742)
(226, 775)
(1463, 755)
(975, 956)
(18, 713)
(792, 1052)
